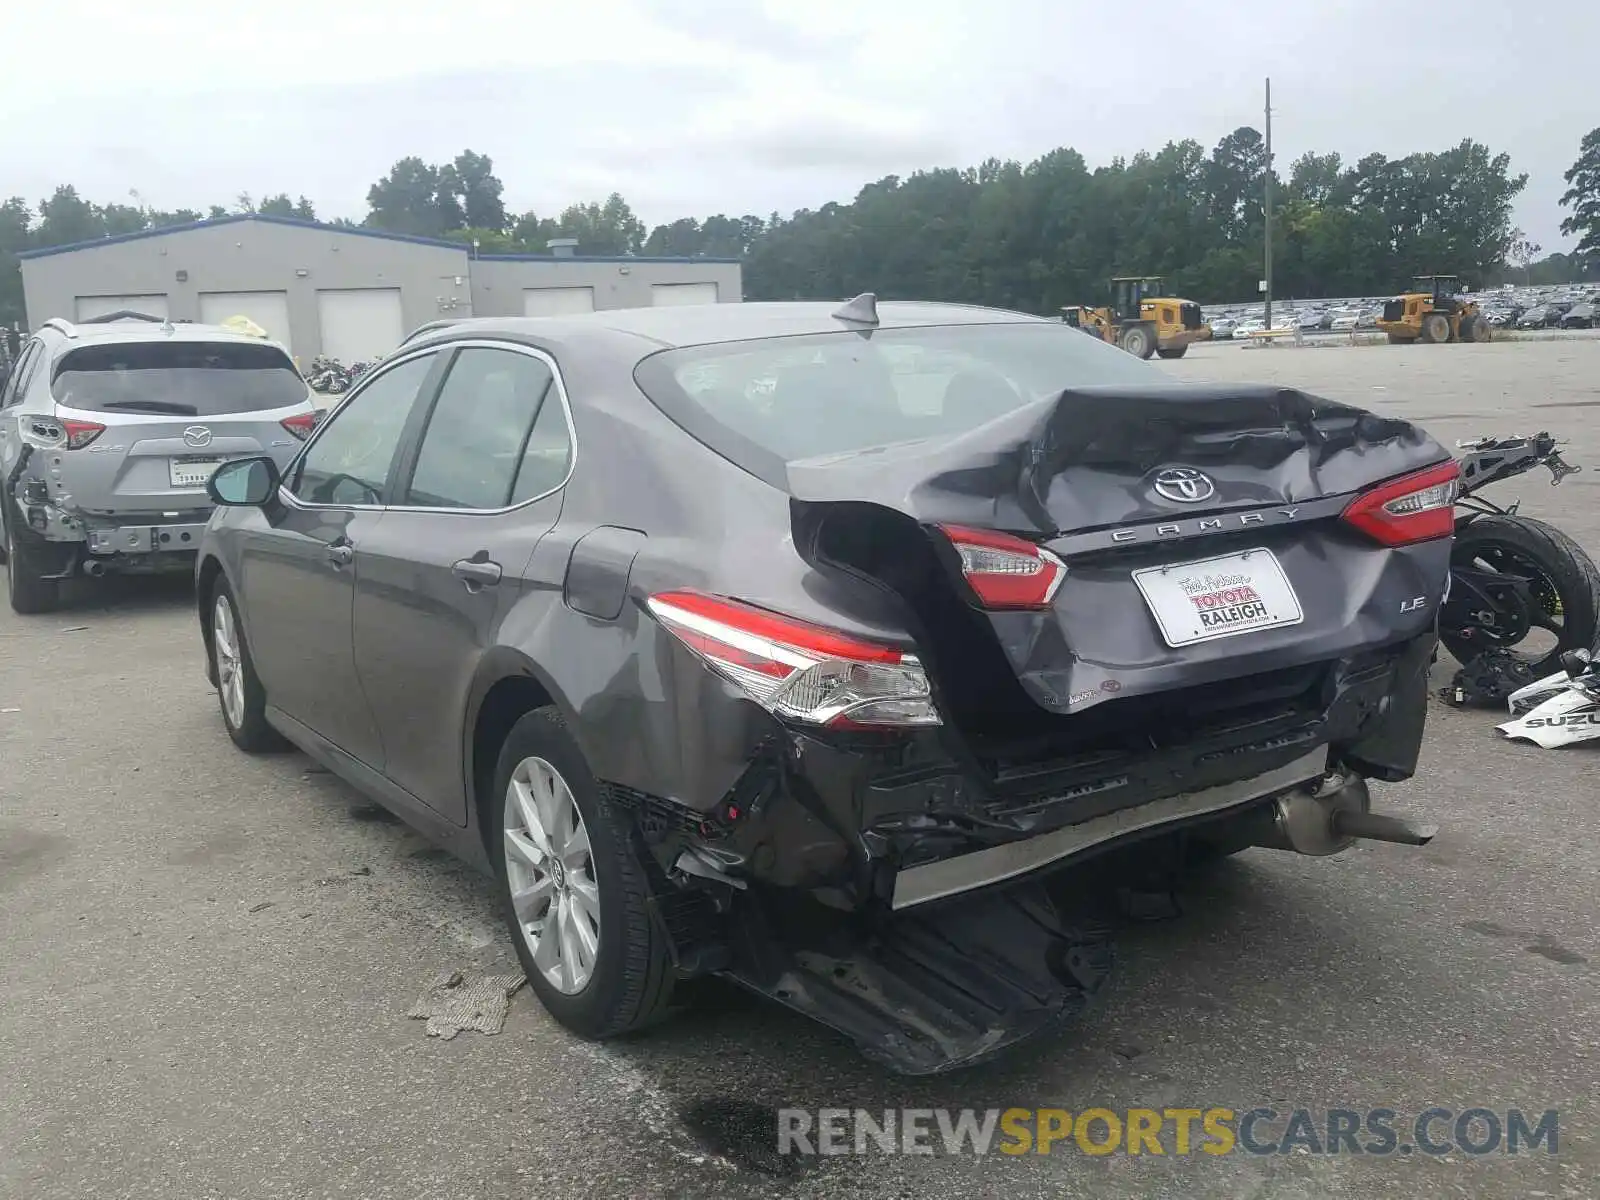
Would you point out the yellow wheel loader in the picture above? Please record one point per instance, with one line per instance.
(1141, 319)
(1433, 311)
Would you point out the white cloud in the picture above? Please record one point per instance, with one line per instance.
(699, 106)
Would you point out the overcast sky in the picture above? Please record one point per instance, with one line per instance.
(691, 107)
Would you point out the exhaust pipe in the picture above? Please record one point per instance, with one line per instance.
(93, 568)
(1328, 816)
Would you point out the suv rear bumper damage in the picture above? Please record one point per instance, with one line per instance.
(907, 893)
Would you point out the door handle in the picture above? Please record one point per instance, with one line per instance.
(341, 554)
(476, 572)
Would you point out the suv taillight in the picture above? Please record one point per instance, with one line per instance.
(798, 670)
(1412, 508)
(1003, 571)
(60, 433)
(302, 424)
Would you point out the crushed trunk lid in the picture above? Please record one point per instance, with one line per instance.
(1260, 476)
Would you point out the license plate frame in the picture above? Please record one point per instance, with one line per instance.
(1209, 599)
(192, 478)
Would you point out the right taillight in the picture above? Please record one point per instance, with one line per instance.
(301, 424)
(1412, 508)
(798, 670)
(1005, 572)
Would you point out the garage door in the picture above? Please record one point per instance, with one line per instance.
(683, 293)
(360, 324)
(555, 302)
(270, 310)
(98, 306)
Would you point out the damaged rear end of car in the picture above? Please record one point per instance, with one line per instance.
(1131, 624)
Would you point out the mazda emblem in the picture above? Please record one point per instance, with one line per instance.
(197, 436)
(1184, 485)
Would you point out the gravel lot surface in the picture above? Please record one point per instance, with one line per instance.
(208, 958)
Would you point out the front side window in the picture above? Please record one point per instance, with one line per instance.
(497, 434)
(353, 456)
(182, 378)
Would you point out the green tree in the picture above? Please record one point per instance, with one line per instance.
(16, 229)
(471, 180)
(1583, 197)
(608, 228)
(66, 218)
(281, 206)
(407, 200)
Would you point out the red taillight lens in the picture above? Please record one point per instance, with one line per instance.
(1005, 571)
(78, 434)
(302, 424)
(1412, 508)
(796, 669)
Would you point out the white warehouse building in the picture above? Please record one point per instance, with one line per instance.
(346, 292)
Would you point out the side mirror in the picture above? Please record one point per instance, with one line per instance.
(244, 482)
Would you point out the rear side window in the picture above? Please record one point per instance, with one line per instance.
(22, 373)
(497, 434)
(767, 402)
(183, 378)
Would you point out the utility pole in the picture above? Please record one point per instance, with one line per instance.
(1268, 272)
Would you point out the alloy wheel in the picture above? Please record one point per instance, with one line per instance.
(230, 661)
(551, 877)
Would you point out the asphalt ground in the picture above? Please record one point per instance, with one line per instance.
(206, 959)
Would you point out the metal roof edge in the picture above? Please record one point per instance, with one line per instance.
(605, 258)
(235, 218)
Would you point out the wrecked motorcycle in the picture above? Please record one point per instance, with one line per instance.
(1521, 592)
(1560, 709)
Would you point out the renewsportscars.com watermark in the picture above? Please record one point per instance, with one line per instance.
(1166, 1131)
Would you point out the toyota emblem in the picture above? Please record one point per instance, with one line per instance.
(1184, 485)
(197, 436)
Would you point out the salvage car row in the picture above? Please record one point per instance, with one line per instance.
(817, 647)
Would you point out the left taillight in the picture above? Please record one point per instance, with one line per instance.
(301, 424)
(1005, 572)
(798, 670)
(1413, 508)
(60, 433)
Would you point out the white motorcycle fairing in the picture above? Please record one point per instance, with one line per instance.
(1528, 697)
(1570, 716)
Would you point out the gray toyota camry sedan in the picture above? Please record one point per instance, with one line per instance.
(825, 647)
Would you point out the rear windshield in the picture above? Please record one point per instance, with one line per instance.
(768, 402)
(197, 379)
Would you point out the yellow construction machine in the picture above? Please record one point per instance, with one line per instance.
(1433, 311)
(1142, 319)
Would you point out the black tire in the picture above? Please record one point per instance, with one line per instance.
(1435, 328)
(28, 592)
(632, 981)
(1481, 331)
(1173, 352)
(1138, 341)
(250, 731)
(1572, 581)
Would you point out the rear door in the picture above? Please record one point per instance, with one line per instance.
(298, 573)
(479, 490)
(173, 410)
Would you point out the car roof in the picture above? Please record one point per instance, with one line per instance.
(701, 324)
(83, 333)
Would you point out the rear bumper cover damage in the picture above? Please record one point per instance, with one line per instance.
(906, 894)
(44, 510)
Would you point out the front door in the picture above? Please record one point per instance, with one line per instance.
(442, 569)
(300, 567)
